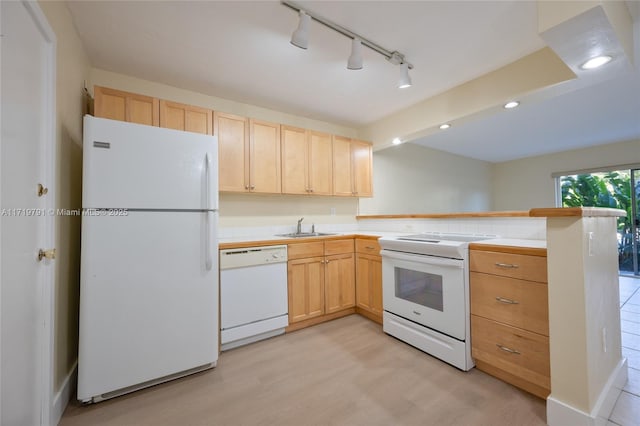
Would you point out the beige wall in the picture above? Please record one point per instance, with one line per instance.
(72, 70)
(527, 183)
(240, 210)
(409, 178)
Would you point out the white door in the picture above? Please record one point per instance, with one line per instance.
(26, 224)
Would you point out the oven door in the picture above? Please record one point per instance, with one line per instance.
(425, 289)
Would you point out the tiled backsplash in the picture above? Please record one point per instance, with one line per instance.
(503, 227)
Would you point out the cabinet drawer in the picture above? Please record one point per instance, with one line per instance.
(367, 246)
(302, 250)
(514, 302)
(532, 268)
(520, 353)
(338, 246)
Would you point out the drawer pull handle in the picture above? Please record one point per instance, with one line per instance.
(507, 301)
(369, 248)
(506, 265)
(506, 349)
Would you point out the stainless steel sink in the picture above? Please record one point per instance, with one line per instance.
(305, 234)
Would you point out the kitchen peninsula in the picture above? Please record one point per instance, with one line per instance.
(587, 370)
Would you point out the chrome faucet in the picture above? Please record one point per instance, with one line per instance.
(299, 228)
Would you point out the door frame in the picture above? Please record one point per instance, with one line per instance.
(47, 144)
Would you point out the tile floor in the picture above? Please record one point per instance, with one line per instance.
(627, 409)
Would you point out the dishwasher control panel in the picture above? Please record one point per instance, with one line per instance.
(252, 256)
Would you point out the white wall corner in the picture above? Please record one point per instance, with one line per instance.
(63, 395)
(562, 414)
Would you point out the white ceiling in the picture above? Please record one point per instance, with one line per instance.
(240, 50)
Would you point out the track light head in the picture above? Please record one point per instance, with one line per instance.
(355, 60)
(405, 79)
(300, 37)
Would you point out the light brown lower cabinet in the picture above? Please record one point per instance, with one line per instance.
(509, 316)
(306, 288)
(321, 281)
(369, 279)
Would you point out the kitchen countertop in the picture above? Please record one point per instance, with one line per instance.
(265, 240)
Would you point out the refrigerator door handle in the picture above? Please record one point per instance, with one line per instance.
(207, 241)
(207, 248)
(207, 171)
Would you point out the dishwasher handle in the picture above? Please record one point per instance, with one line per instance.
(252, 256)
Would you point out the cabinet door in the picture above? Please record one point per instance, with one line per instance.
(305, 278)
(295, 160)
(320, 163)
(233, 152)
(361, 153)
(369, 283)
(189, 118)
(125, 106)
(339, 282)
(342, 179)
(264, 157)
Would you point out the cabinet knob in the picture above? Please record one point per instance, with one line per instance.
(246, 187)
(253, 187)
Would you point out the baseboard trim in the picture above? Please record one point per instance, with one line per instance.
(63, 395)
(560, 413)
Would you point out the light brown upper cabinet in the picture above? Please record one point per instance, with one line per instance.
(125, 106)
(264, 157)
(186, 117)
(248, 153)
(362, 154)
(307, 161)
(233, 151)
(352, 167)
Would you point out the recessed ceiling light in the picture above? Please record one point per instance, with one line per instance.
(511, 104)
(596, 62)
(396, 141)
(445, 126)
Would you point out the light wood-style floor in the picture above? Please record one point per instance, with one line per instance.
(345, 372)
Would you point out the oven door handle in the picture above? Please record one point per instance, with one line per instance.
(422, 258)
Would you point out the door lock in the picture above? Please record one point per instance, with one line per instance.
(46, 254)
(42, 190)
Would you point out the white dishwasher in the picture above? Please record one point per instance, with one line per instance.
(253, 294)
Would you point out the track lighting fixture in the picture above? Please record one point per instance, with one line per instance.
(405, 80)
(300, 38)
(355, 60)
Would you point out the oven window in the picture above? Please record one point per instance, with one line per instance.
(419, 287)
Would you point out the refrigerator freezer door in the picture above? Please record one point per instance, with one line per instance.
(148, 302)
(132, 166)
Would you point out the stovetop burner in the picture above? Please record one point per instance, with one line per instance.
(433, 244)
(436, 238)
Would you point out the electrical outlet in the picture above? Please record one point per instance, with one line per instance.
(332, 211)
(604, 339)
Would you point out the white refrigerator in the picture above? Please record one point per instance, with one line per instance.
(149, 263)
